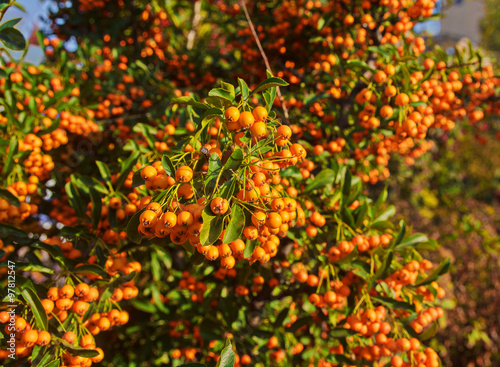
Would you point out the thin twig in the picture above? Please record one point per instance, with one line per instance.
(266, 61)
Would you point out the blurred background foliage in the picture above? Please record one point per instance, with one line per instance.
(453, 194)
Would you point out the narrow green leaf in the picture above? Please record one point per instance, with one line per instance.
(386, 265)
(13, 149)
(341, 333)
(400, 235)
(126, 166)
(430, 332)
(292, 172)
(236, 224)
(322, 179)
(91, 269)
(443, 268)
(412, 241)
(132, 227)
(36, 307)
(190, 101)
(76, 351)
(386, 214)
(10, 23)
(95, 214)
(234, 162)
(74, 198)
(243, 89)
(105, 172)
(168, 166)
(212, 227)
(11, 198)
(269, 83)
(393, 304)
(214, 169)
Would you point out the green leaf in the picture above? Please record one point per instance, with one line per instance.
(132, 232)
(207, 117)
(236, 224)
(13, 149)
(36, 308)
(381, 199)
(12, 39)
(243, 89)
(145, 131)
(190, 101)
(443, 268)
(76, 351)
(10, 23)
(105, 172)
(407, 76)
(95, 214)
(137, 180)
(382, 271)
(34, 267)
(362, 211)
(249, 248)
(341, 333)
(281, 317)
(430, 332)
(322, 179)
(358, 64)
(91, 269)
(228, 87)
(226, 190)
(400, 235)
(393, 304)
(41, 357)
(226, 356)
(168, 166)
(307, 320)
(269, 83)
(346, 186)
(212, 227)
(54, 363)
(144, 306)
(193, 365)
(214, 169)
(221, 94)
(126, 166)
(11, 198)
(20, 7)
(292, 172)
(74, 198)
(347, 259)
(386, 214)
(412, 241)
(54, 251)
(234, 162)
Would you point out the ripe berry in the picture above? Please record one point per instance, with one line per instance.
(184, 174)
(232, 114)
(44, 338)
(259, 113)
(284, 132)
(148, 172)
(148, 218)
(66, 291)
(246, 119)
(219, 206)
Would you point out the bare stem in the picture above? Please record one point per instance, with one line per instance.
(196, 21)
(264, 57)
